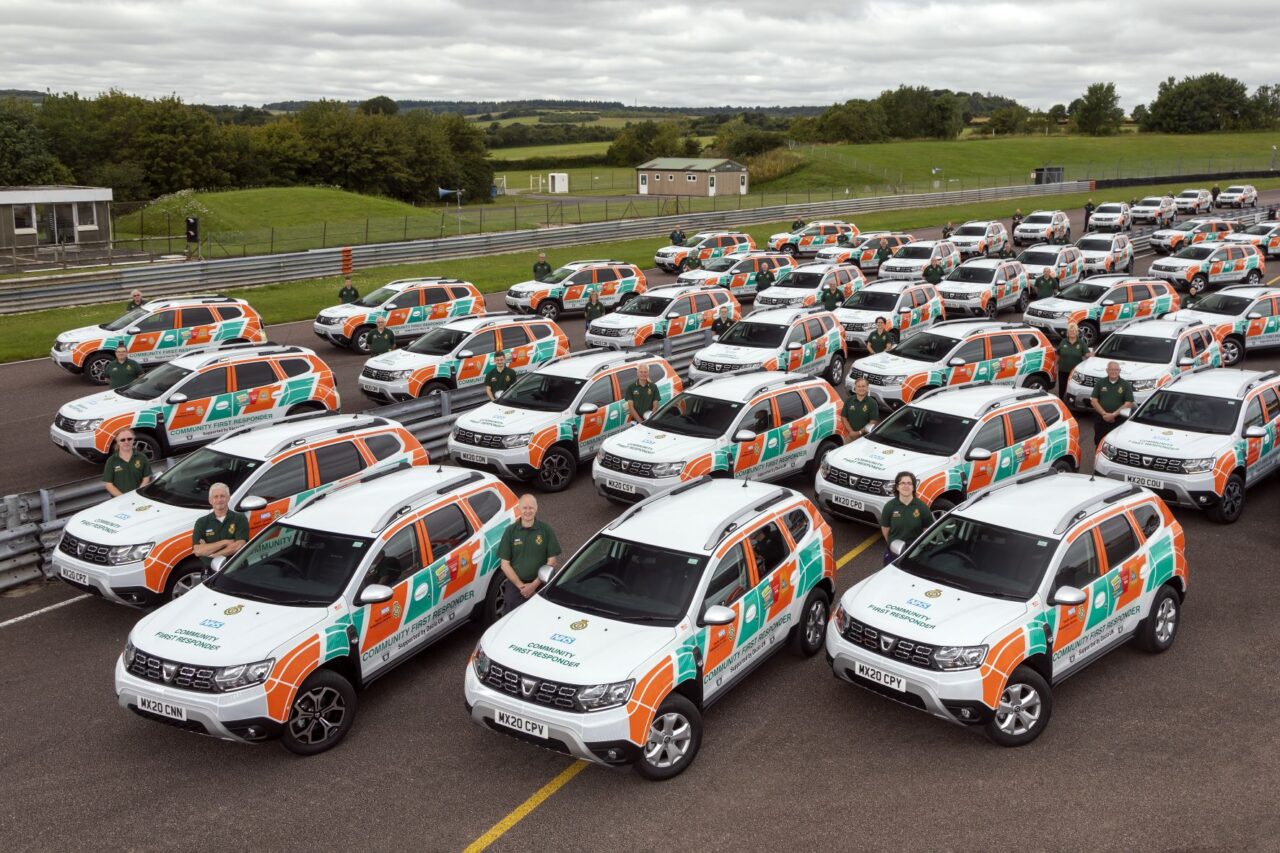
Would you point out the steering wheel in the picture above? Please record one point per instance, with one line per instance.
(612, 579)
(964, 558)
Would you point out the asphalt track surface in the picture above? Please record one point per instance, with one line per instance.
(1155, 752)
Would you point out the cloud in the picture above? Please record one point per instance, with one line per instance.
(668, 54)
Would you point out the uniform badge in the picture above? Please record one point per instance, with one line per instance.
(231, 528)
(537, 540)
(233, 610)
(915, 513)
(396, 609)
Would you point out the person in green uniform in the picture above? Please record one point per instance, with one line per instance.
(933, 272)
(832, 296)
(1071, 351)
(135, 301)
(1045, 284)
(641, 396)
(677, 236)
(881, 340)
(222, 532)
(123, 369)
(797, 225)
(1006, 253)
(348, 293)
(1088, 213)
(861, 411)
(693, 262)
(125, 469)
(844, 238)
(527, 545)
(594, 309)
(500, 377)
(1016, 219)
(764, 279)
(542, 269)
(883, 252)
(381, 339)
(1110, 397)
(948, 230)
(904, 516)
(722, 322)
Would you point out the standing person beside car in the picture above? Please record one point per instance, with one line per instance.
(764, 279)
(883, 252)
(527, 545)
(904, 516)
(677, 236)
(1110, 397)
(1213, 191)
(693, 262)
(500, 377)
(1089, 207)
(126, 469)
(541, 269)
(948, 230)
(881, 340)
(861, 411)
(594, 309)
(123, 370)
(1016, 219)
(933, 273)
(381, 339)
(832, 297)
(1045, 284)
(135, 301)
(222, 532)
(722, 322)
(641, 396)
(1071, 351)
(797, 225)
(348, 293)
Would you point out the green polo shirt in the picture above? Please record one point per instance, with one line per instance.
(1112, 395)
(859, 413)
(132, 306)
(764, 279)
(878, 341)
(1070, 355)
(498, 381)
(527, 549)
(905, 521)
(121, 373)
(541, 270)
(380, 342)
(233, 527)
(933, 273)
(832, 299)
(883, 254)
(126, 476)
(643, 397)
(1045, 286)
(594, 311)
(348, 295)
(720, 326)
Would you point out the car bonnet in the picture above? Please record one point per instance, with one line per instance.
(867, 458)
(105, 404)
(506, 420)
(647, 444)
(1162, 441)
(131, 519)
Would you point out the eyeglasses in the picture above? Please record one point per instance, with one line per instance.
(124, 441)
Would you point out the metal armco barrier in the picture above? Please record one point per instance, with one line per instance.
(31, 523)
(34, 294)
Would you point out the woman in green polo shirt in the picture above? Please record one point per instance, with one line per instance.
(1071, 351)
(905, 516)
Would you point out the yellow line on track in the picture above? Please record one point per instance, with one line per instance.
(522, 811)
(862, 546)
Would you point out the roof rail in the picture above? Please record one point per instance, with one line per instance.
(367, 477)
(779, 383)
(1017, 397)
(262, 349)
(733, 520)
(287, 419)
(351, 422)
(1079, 512)
(631, 511)
(1255, 381)
(452, 484)
(495, 317)
(741, 371)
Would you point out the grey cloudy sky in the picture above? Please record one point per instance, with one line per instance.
(658, 53)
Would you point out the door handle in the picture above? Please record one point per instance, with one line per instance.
(222, 405)
(751, 613)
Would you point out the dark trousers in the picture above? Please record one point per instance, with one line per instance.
(889, 556)
(511, 595)
(1062, 384)
(1101, 428)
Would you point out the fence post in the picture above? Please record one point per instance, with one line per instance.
(406, 228)
(272, 249)
(324, 234)
(366, 229)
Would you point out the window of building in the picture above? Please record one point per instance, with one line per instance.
(86, 216)
(24, 219)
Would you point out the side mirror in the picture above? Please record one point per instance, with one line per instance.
(466, 353)
(743, 436)
(1186, 361)
(133, 330)
(904, 310)
(978, 454)
(252, 503)
(956, 361)
(715, 337)
(1253, 315)
(1068, 596)
(1124, 413)
(588, 409)
(216, 564)
(647, 415)
(545, 573)
(1108, 302)
(175, 399)
(718, 614)
(673, 316)
(375, 593)
(1255, 432)
(897, 546)
(795, 345)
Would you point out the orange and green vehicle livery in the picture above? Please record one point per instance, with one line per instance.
(702, 246)
(662, 312)
(808, 239)
(410, 306)
(568, 288)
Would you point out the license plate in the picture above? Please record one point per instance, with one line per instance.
(73, 576)
(621, 486)
(164, 709)
(521, 724)
(848, 502)
(57, 439)
(881, 677)
(1144, 481)
(473, 457)
(373, 388)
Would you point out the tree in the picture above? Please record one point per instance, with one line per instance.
(1202, 104)
(379, 106)
(1009, 120)
(738, 139)
(643, 141)
(853, 121)
(1099, 112)
(25, 158)
(1057, 114)
(1139, 114)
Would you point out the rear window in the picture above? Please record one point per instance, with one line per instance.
(230, 312)
(485, 505)
(294, 366)
(384, 445)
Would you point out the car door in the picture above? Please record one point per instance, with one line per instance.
(281, 486)
(1027, 444)
(1264, 331)
(748, 455)
(1267, 451)
(1002, 365)
(398, 559)
(1111, 307)
(795, 430)
(605, 280)
(972, 356)
(683, 321)
(729, 583)
(400, 310)
(452, 550)
(764, 608)
(257, 392)
(992, 436)
(1081, 567)
(206, 411)
(157, 338)
(197, 328)
(610, 415)
(1255, 459)
(1141, 302)
(473, 367)
(705, 306)
(437, 306)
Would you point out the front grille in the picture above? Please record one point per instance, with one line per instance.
(538, 691)
(890, 268)
(476, 439)
(82, 550)
(64, 423)
(857, 327)
(1164, 268)
(866, 485)
(958, 295)
(608, 332)
(1147, 462)
(328, 321)
(172, 673)
(889, 646)
(872, 378)
(1086, 381)
(714, 366)
(613, 462)
(378, 375)
(1040, 312)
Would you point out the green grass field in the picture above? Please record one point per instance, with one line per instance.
(568, 149)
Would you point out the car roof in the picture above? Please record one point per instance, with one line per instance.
(1054, 247)
(741, 387)
(235, 353)
(1060, 501)
(895, 285)
(369, 506)
(972, 401)
(927, 243)
(696, 517)
(584, 365)
(596, 262)
(981, 222)
(406, 283)
(484, 321)
(961, 329)
(1158, 327)
(675, 288)
(1252, 291)
(1034, 212)
(987, 263)
(265, 442)
(818, 266)
(782, 316)
(1227, 382)
(193, 299)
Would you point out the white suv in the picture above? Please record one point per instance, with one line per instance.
(911, 259)
(794, 340)
(1157, 210)
(1238, 195)
(1111, 216)
(983, 287)
(980, 237)
(1043, 226)
(1151, 353)
(652, 620)
(1194, 201)
(803, 286)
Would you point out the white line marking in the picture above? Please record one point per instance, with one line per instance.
(15, 620)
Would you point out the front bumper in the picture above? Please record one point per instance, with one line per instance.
(900, 274)
(509, 462)
(385, 392)
(963, 307)
(332, 334)
(65, 360)
(696, 374)
(240, 715)
(123, 584)
(885, 395)
(519, 304)
(622, 486)
(1023, 238)
(1191, 490)
(606, 342)
(1052, 327)
(78, 444)
(848, 503)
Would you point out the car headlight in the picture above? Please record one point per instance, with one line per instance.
(824, 467)
(598, 697)
(1198, 466)
(959, 657)
(88, 426)
(1107, 449)
(842, 618)
(895, 380)
(1061, 315)
(400, 374)
(480, 663)
(1145, 384)
(244, 675)
(129, 652)
(887, 488)
(129, 553)
(667, 469)
(61, 346)
(517, 440)
(1077, 377)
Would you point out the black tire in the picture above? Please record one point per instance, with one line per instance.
(1198, 283)
(1090, 333)
(1024, 300)
(1024, 709)
(185, 577)
(435, 386)
(791, 250)
(323, 711)
(1065, 465)
(992, 309)
(809, 635)
(674, 738)
(1038, 382)
(1157, 632)
(1129, 269)
(1253, 277)
(148, 445)
(681, 267)
(360, 339)
(494, 606)
(834, 373)
(1230, 503)
(549, 309)
(1232, 351)
(941, 506)
(95, 368)
(555, 474)
(828, 445)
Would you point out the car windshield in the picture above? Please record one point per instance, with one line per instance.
(719, 264)
(1191, 412)
(980, 558)
(803, 280)
(1142, 348)
(695, 241)
(872, 300)
(1095, 244)
(916, 253)
(972, 274)
(1189, 194)
(292, 566)
(559, 275)
(1083, 292)
(645, 306)
(377, 298)
(1234, 189)
(695, 415)
(1040, 259)
(1151, 202)
(543, 392)
(438, 341)
(1038, 219)
(628, 581)
(1109, 208)
(1189, 225)
(1195, 253)
(749, 334)
(923, 431)
(1262, 229)
(125, 320)
(1224, 303)
(187, 483)
(971, 231)
(925, 346)
(153, 384)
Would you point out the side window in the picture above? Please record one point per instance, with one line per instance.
(796, 335)
(682, 306)
(1148, 519)
(991, 436)
(254, 374)
(158, 322)
(797, 522)
(1118, 540)
(1023, 423)
(230, 312)
(512, 337)
(1139, 292)
(485, 505)
(384, 445)
(481, 344)
(580, 277)
(538, 331)
(294, 367)
(600, 393)
(606, 274)
(703, 302)
(1186, 346)
(198, 316)
(208, 384)
(283, 480)
(971, 352)
(460, 292)
(626, 376)
(1253, 413)
(1003, 345)
(919, 297)
(336, 461)
(769, 548)
(731, 579)
(1267, 307)
(1273, 403)
(1080, 565)
(408, 299)
(447, 528)
(813, 328)
(398, 560)
(759, 417)
(817, 396)
(435, 296)
(656, 372)
(1049, 413)
(1027, 340)
(790, 407)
